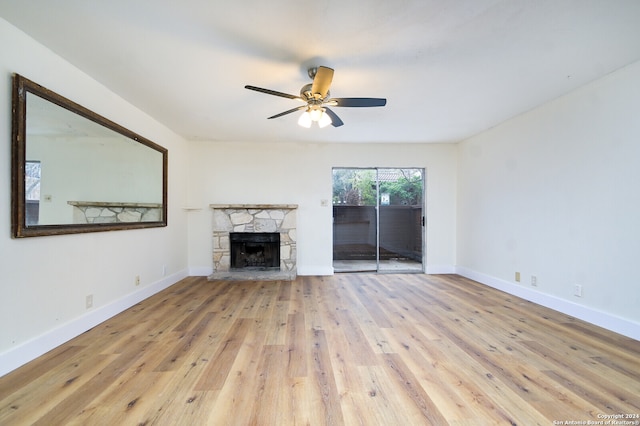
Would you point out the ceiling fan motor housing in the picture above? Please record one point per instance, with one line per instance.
(310, 97)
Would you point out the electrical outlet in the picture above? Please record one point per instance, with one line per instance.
(518, 277)
(534, 280)
(577, 290)
(164, 270)
(137, 279)
(89, 301)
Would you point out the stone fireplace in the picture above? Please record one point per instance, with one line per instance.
(254, 241)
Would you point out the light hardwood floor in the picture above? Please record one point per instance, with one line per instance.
(352, 349)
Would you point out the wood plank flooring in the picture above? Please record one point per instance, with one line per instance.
(351, 349)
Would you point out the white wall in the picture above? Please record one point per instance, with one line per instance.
(44, 280)
(555, 193)
(244, 172)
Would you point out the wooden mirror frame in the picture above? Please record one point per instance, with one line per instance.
(19, 227)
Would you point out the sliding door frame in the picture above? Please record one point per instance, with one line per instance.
(422, 228)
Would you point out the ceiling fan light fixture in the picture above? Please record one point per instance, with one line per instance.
(305, 120)
(315, 114)
(325, 120)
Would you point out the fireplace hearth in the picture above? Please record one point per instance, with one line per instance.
(255, 250)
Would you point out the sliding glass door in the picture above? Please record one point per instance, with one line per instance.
(378, 219)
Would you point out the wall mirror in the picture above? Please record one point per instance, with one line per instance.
(75, 171)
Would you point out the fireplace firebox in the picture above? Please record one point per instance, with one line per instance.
(255, 250)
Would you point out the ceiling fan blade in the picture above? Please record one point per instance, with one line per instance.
(273, 92)
(322, 81)
(288, 112)
(357, 102)
(335, 120)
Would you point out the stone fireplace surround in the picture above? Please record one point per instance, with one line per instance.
(279, 218)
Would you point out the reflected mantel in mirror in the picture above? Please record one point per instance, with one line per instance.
(75, 171)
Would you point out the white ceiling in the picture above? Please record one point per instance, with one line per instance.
(449, 69)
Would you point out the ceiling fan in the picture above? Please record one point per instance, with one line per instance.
(317, 100)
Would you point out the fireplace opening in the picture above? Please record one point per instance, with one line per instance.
(255, 250)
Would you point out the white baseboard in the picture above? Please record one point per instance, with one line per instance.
(602, 319)
(33, 348)
(200, 271)
(440, 269)
(315, 270)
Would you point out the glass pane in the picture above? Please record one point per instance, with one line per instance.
(400, 219)
(354, 220)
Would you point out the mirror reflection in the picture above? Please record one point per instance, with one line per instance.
(72, 162)
(78, 172)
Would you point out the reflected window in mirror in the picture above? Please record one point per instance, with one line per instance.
(32, 176)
